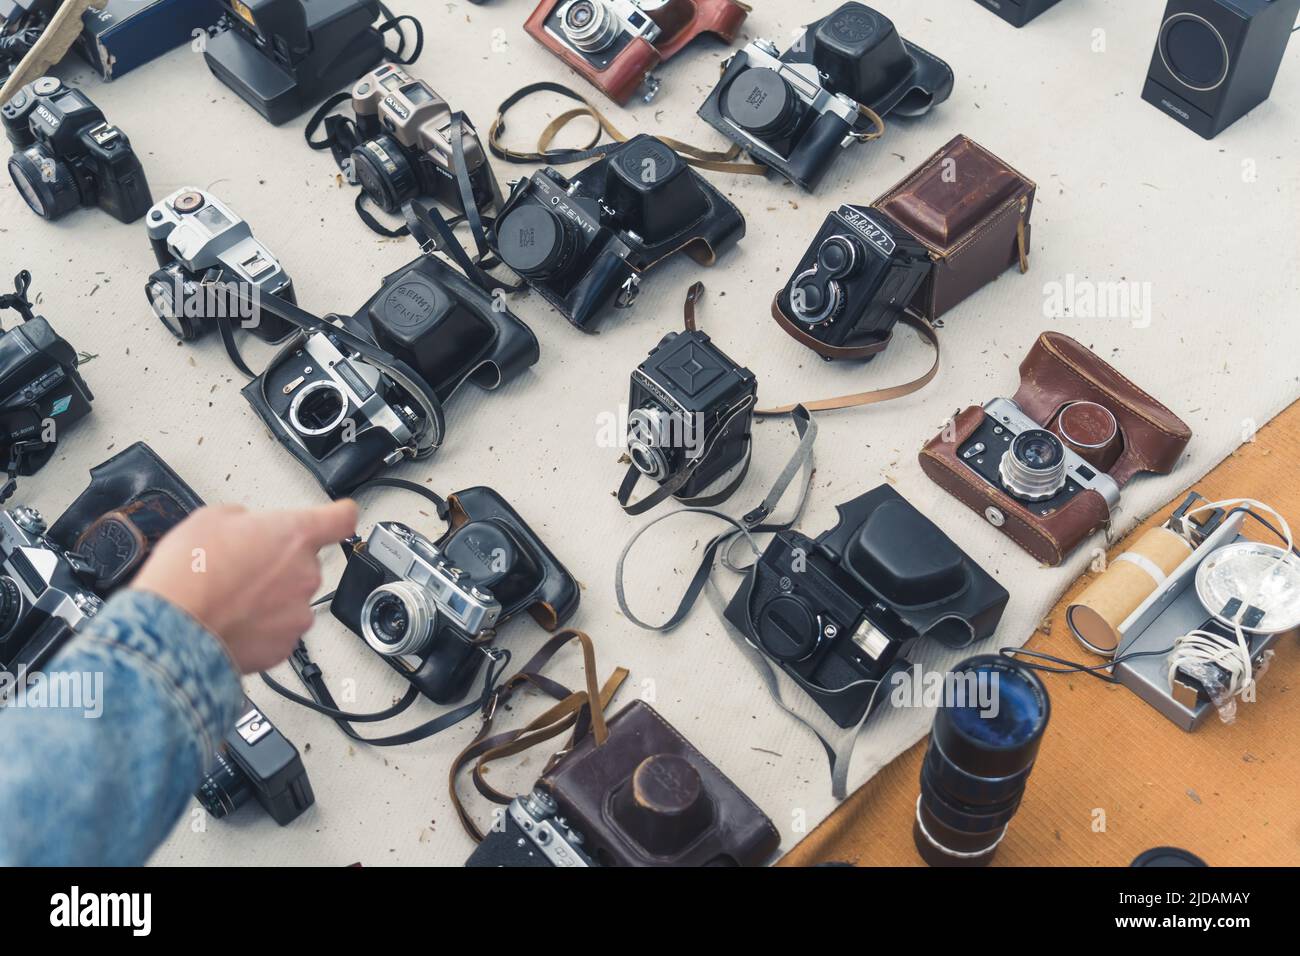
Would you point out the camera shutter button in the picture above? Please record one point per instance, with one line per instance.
(788, 629)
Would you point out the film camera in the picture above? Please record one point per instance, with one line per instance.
(792, 111)
(41, 391)
(256, 760)
(431, 608)
(66, 155)
(284, 56)
(852, 285)
(531, 833)
(203, 248)
(839, 613)
(690, 419)
(617, 44)
(585, 241)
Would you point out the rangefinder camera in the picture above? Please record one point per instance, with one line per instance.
(211, 268)
(256, 761)
(531, 833)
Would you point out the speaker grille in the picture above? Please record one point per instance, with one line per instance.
(1194, 51)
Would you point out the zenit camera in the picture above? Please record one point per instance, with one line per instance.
(531, 833)
(211, 269)
(66, 155)
(431, 608)
(284, 56)
(691, 413)
(617, 44)
(256, 760)
(838, 613)
(852, 285)
(793, 111)
(585, 242)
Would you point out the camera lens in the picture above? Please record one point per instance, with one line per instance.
(589, 24)
(318, 409)
(161, 291)
(814, 299)
(982, 748)
(1033, 468)
(398, 619)
(48, 186)
(838, 256)
(384, 172)
(11, 606)
(761, 102)
(648, 434)
(534, 242)
(225, 789)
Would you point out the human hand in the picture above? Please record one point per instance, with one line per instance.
(248, 577)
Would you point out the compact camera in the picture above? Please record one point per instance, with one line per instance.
(852, 285)
(531, 833)
(256, 760)
(793, 111)
(431, 608)
(212, 269)
(402, 147)
(284, 56)
(66, 155)
(691, 412)
(587, 241)
(617, 44)
(839, 613)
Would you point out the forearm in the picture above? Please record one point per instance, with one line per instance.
(103, 782)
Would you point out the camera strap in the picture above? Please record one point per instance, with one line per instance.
(394, 23)
(18, 299)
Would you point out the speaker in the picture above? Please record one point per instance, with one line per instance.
(1216, 60)
(1018, 12)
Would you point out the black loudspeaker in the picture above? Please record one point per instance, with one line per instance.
(1215, 60)
(1018, 12)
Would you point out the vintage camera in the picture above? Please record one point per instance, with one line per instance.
(792, 111)
(691, 412)
(431, 608)
(531, 833)
(852, 285)
(211, 269)
(41, 392)
(284, 56)
(256, 760)
(402, 148)
(586, 241)
(839, 613)
(617, 44)
(66, 155)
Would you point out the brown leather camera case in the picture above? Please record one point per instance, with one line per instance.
(681, 22)
(646, 797)
(971, 211)
(1059, 371)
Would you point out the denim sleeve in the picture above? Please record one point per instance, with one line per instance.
(144, 695)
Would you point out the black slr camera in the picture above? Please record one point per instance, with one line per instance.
(691, 412)
(431, 608)
(838, 613)
(256, 760)
(585, 241)
(41, 391)
(530, 832)
(793, 111)
(852, 285)
(67, 155)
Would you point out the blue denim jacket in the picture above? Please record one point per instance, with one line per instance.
(146, 695)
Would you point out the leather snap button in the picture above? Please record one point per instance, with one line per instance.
(995, 517)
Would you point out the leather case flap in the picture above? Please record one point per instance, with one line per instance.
(682, 22)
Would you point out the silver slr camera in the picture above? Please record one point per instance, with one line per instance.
(211, 269)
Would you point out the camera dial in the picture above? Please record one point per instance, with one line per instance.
(762, 103)
(534, 242)
(590, 25)
(1034, 467)
(29, 519)
(788, 629)
(11, 605)
(398, 618)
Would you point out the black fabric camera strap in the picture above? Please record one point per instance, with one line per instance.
(394, 23)
(18, 299)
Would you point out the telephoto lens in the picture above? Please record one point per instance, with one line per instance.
(982, 747)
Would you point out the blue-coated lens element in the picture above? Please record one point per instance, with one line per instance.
(1007, 712)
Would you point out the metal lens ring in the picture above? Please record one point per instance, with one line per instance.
(313, 411)
(837, 257)
(647, 433)
(1034, 467)
(397, 618)
(826, 300)
(590, 25)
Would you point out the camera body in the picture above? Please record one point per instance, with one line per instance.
(1018, 12)
(531, 833)
(44, 597)
(256, 760)
(284, 56)
(430, 608)
(617, 44)
(207, 256)
(406, 149)
(839, 613)
(67, 155)
(583, 242)
(852, 285)
(691, 408)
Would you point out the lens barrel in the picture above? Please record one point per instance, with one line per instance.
(982, 749)
(48, 186)
(225, 789)
(1034, 467)
(385, 173)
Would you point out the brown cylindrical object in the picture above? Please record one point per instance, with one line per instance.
(664, 807)
(1131, 578)
(1091, 432)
